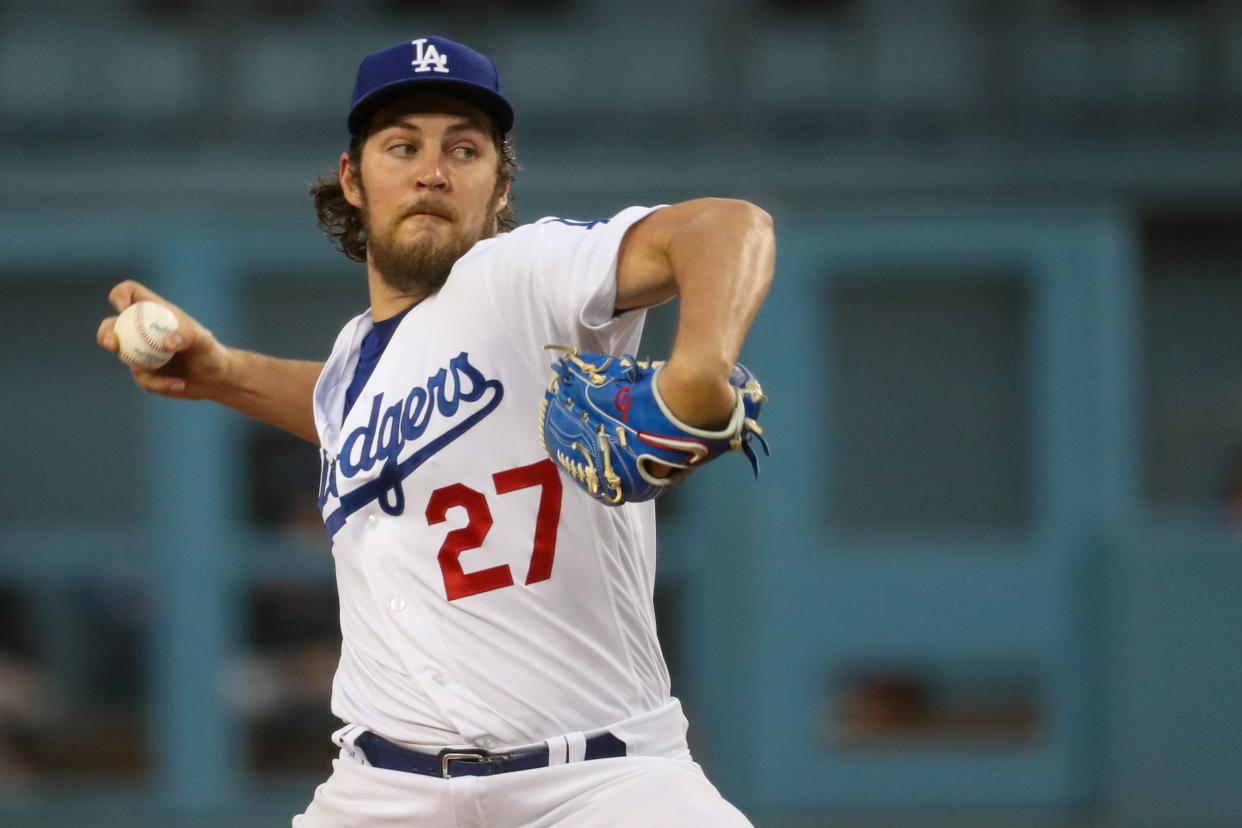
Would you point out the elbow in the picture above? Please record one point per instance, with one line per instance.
(753, 227)
(745, 216)
(749, 223)
(760, 219)
(741, 220)
(762, 230)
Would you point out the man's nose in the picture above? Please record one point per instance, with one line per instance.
(430, 176)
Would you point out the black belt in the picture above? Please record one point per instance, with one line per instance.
(450, 762)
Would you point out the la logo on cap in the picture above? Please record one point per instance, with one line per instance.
(428, 58)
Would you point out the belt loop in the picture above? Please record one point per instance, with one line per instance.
(558, 750)
(576, 743)
(346, 738)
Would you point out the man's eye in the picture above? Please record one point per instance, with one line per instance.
(402, 149)
(466, 153)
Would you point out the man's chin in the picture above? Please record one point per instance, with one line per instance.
(419, 251)
(416, 264)
(412, 277)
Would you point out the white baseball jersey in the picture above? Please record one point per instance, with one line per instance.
(485, 599)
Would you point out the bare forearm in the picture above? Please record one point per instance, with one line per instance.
(722, 261)
(276, 391)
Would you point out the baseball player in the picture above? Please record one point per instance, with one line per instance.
(499, 663)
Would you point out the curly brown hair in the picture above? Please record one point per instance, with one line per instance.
(342, 221)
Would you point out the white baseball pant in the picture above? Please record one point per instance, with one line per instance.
(637, 791)
(656, 785)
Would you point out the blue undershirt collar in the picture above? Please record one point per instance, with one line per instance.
(373, 345)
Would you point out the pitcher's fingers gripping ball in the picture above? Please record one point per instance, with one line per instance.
(140, 332)
(603, 421)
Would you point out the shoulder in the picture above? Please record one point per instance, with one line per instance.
(551, 233)
(547, 246)
(575, 226)
(572, 227)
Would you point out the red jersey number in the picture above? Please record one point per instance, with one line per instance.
(457, 582)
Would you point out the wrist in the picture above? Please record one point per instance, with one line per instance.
(701, 398)
(223, 376)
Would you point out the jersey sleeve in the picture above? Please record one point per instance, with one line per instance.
(555, 282)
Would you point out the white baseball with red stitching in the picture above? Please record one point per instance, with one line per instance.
(140, 330)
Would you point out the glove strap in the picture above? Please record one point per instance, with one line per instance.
(738, 432)
(732, 432)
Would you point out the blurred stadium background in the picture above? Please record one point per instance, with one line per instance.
(990, 574)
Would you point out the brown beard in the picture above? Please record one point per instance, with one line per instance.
(420, 266)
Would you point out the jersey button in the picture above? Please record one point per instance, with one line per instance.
(372, 521)
(435, 675)
(397, 604)
(487, 743)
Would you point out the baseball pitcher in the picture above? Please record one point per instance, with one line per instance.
(488, 499)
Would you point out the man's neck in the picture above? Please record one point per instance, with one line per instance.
(387, 302)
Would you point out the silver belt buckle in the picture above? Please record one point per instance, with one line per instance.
(473, 756)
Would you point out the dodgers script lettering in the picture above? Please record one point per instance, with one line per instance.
(401, 435)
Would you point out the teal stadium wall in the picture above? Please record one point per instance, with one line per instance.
(989, 571)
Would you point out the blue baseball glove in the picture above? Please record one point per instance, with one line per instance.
(602, 420)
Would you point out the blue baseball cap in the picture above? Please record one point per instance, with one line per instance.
(428, 64)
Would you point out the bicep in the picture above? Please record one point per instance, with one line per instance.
(645, 262)
(644, 269)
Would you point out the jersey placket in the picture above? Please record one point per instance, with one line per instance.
(415, 625)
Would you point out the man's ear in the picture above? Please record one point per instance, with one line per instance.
(351, 182)
(502, 199)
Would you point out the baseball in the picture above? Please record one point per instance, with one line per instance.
(140, 330)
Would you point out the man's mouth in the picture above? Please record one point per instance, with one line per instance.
(428, 213)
